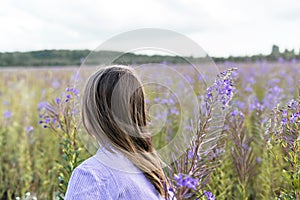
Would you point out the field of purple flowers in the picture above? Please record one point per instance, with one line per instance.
(255, 156)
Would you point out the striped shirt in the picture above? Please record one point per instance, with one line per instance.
(109, 176)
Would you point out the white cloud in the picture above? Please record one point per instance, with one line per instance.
(220, 27)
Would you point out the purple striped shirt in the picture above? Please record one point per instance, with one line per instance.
(109, 176)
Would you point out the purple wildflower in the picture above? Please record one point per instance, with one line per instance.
(209, 195)
(189, 79)
(190, 154)
(29, 129)
(240, 105)
(293, 117)
(73, 90)
(156, 100)
(190, 182)
(258, 160)
(249, 89)
(76, 77)
(47, 120)
(164, 101)
(42, 105)
(186, 181)
(7, 114)
(292, 104)
(284, 121)
(222, 88)
(58, 100)
(256, 105)
(178, 178)
(250, 80)
(242, 115)
(55, 83)
(234, 113)
(54, 120)
(174, 111)
(68, 97)
(284, 113)
(245, 146)
(147, 101)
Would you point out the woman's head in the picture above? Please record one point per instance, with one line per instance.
(114, 112)
(114, 107)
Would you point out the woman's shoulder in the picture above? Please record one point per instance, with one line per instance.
(94, 166)
(91, 180)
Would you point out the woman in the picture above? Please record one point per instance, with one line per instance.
(126, 165)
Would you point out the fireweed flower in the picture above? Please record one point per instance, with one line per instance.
(174, 111)
(293, 117)
(54, 120)
(255, 104)
(190, 154)
(234, 113)
(209, 195)
(240, 105)
(258, 160)
(186, 181)
(284, 113)
(58, 100)
(222, 89)
(51, 112)
(76, 77)
(68, 97)
(250, 80)
(284, 121)
(29, 129)
(273, 96)
(178, 178)
(43, 105)
(248, 89)
(55, 83)
(292, 104)
(7, 114)
(47, 120)
(242, 116)
(189, 79)
(73, 90)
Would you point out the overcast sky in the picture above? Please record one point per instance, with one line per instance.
(221, 28)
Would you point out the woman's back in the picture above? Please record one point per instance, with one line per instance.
(108, 176)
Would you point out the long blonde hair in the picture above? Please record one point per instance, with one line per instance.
(114, 112)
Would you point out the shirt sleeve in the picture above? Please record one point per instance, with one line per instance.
(83, 185)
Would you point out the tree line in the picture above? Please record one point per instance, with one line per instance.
(76, 57)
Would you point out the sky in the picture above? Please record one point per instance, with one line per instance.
(220, 27)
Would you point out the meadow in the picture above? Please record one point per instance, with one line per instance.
(256, 157)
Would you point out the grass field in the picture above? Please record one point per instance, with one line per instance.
(31, 156)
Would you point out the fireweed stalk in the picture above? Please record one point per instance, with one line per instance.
(190, 173)
(241, 152)
(284, 145)
(62, 117)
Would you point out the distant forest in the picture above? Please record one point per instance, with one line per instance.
(76, 57)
